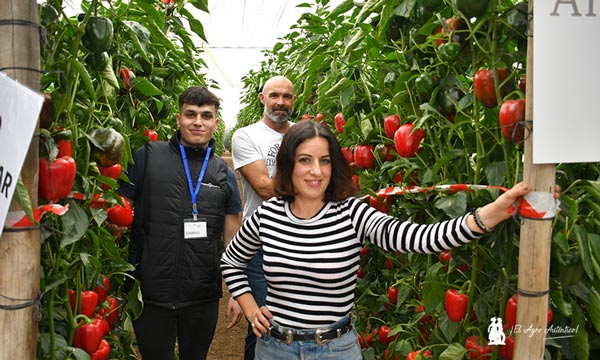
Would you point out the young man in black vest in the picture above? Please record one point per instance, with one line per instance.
(186, 209)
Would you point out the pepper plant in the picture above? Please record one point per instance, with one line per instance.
(111, 72)
(418, 60)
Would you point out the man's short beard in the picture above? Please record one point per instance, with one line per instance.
(278, 118)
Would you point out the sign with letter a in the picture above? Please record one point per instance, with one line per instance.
(565, 81)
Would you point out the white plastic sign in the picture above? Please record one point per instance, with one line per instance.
(566, 81)
(19, 111)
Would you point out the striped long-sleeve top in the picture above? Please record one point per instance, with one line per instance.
(311, 264)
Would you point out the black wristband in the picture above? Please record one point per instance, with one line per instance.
(479, 222)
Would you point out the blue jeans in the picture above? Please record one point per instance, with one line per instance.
(345, 347)
(258, 284)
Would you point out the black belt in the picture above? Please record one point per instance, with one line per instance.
(320, 336)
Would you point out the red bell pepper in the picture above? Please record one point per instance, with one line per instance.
(506, 351)
(112, 171)
(126, 76)
(364, 157)
(339, 122)
(348, 154)
(391, 123)
(522, 83)
(407, 140)
(56, 178)
(120, 215)
(511, 116)
(444, 258)
(384, 335)
(511, 312)
(356, 182)
(418, 355)
(65, 148)
(112, 313)
(102, 352)
(392, 294)
(485, 88)
(387, 355)
(380, 204)
(476, 347)
(456, 305)
(385, 152)
(89, 301)
(151, 134)
(103, 322)
(89, 336)
(365, 341)
(102, 290)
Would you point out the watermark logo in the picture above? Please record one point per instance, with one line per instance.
(496, 334)
(551, 332)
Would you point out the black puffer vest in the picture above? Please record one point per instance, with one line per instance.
(175, 272)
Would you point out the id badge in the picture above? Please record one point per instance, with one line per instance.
(194, 229)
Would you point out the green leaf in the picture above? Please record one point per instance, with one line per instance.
(365, 127)
(343, 7)
(200, 4)
(433, 289)
(453, 351)
(159, 37)
(359, 34)
(580, 341)
(594, 244)
(405, 8)
(108, 75)
(55, 281)
(135, 303)
(21, 195)
(494, 172)
(403, 294)
(584, 250)
(450, 156)
(152, 15)
(84, 75)
(146, 88)
(138, 34)
(195, 25)
(593, 308)
(453, 205)
(74, 223)
(448, 328)
(368, 8)
(342, 84)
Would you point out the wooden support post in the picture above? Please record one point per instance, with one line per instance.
(536, 235)
(20, 250)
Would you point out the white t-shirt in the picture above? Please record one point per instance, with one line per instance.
(249, 144)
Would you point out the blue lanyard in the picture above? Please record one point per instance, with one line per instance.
(194, 193)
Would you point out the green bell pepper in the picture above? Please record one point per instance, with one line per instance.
(98, 34)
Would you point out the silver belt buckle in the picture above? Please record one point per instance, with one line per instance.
(319, 336)
(289, 337)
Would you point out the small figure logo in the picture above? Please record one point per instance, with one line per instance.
(495, 333)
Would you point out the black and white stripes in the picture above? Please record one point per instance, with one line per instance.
(311, 264)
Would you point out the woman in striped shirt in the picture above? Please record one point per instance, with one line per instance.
(311, 235)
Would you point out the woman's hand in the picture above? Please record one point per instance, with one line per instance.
(260, 321)
(503, 207)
